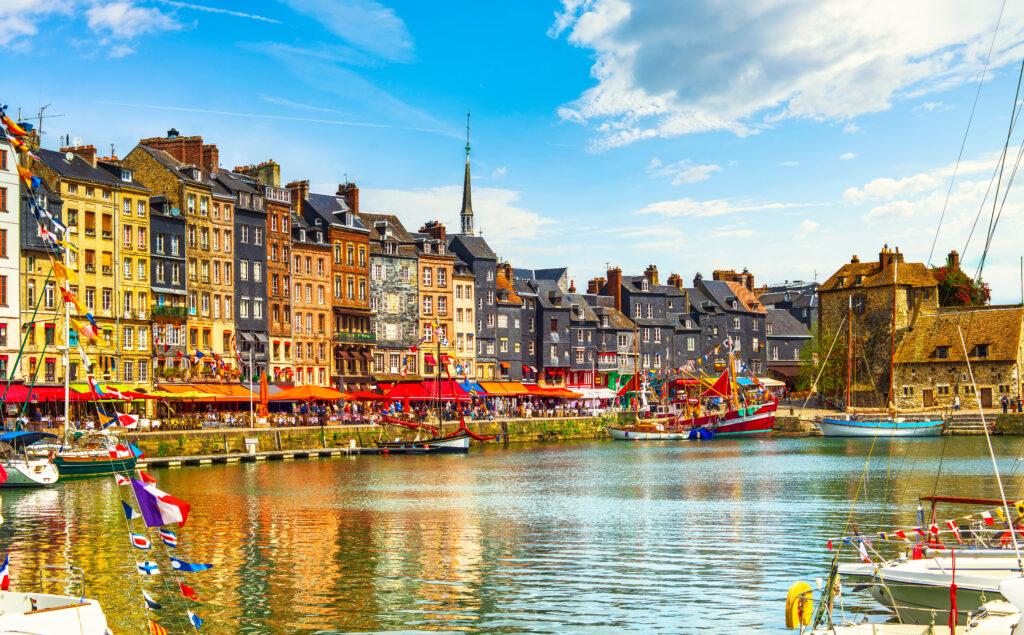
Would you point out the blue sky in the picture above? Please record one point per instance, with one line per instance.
(782, 137)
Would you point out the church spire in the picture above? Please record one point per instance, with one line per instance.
(467, 197)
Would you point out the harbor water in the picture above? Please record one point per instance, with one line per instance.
(572, 537)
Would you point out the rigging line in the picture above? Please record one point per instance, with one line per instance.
(991, 453)
(1014, 113)
(970, 119)
(1002, 205)
(981, 208)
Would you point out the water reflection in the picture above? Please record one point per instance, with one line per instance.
(571, 537)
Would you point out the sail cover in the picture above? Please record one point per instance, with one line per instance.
(721, 387)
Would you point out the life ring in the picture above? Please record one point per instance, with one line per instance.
(799, 605)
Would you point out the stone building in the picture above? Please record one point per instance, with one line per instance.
(508, 331)
(36, 279)
(90, 207)
(867, 290)
(436, 265)
(394, 299)
(167, 275)
(464, 324)
(251, 324)
(277, 204)
(338, 216)
(931, 368)
(786, 336)
(311, 279)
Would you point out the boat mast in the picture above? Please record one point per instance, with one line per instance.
(636, 367)
(849, 351)
(892, 350)
(440, 411)
(67, 368)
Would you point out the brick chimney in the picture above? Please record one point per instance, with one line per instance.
(594, 286)
(351, 194)
(86, 152)
(434, 229)
(697, 278)
(300, 192)
(953, 260)
(615, 286)
(651, 273)
(572, 286)
(854, 260)
(267, 173)
(887, 256)
(747, 279)
(676, 280)
(188, 150)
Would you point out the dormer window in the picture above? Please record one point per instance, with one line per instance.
(126, 175)
(733, 304)
(302, 235)
(842, 280)
(195, 175)
(941, 352)
(440, 248)
(389, 248)
(860, 279)
(318, 222)
(643, 285)
(980, 350)
(787, 297)
(604, 321)
(426, 248)
(319, 237)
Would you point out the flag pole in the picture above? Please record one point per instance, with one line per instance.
(252, 419)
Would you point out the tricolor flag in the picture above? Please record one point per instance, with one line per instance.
(159, 508)
(121, 480)
(181, 565)
(141, 542)
(987, 517)
(169, 537)
(151, 604)
(129, 511)
(919, 531)
(192, 617)
(956, 530)
(156, 629)
(5, 574)
(147, 568)
(187, 591)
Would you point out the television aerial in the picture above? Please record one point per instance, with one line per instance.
(77, 141)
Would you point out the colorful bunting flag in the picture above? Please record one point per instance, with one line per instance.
(192, 617)
(129, 511)
(147, 568)
(141, 542)
(121, 480)
(169, 537)
(159, 508)
(156, 629)
(187, 591)
(181, 565)
(151, 604)
(5, 574)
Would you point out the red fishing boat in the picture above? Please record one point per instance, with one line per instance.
(743, 416)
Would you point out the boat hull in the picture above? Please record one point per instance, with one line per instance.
(631, 433)
(29, 473)
(82, 466)
(751, 421)
(843, 428)
(42, 613)
(451, 444)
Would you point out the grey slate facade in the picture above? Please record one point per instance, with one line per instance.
(167, 275)
(393, 295)
(798, 298)
(744, 325)
(509, 328)
(786, 336)
(475, 252)
(251, 310)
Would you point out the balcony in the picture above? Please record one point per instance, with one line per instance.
(355, 338)
(168, 311)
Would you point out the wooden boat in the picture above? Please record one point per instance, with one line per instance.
(50, 614)
(98, 455)
(648, 430)
(882, 428)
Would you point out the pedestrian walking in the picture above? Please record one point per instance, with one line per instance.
(1005, 403)
(956, 403)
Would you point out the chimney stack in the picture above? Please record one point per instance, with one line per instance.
(86, 152)
(651, 273)
(953, 261)
(187, 150)
(351, 194)
(594, 286)
(697, 278)
(435, 229)
(615, 286)
(676, 280)
(854, 260)
(300, 192)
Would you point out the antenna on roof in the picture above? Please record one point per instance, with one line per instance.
(112, 155)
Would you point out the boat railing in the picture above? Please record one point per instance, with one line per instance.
(75, 576)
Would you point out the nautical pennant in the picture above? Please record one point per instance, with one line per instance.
(169, 537)
(187, 591)
(192, 617)
(147, 568)
(956, 530)
(121, 480)
(181, 565)
(156, 629)
(141, 542)
(129, 511)
(5, 574)
(151, 604)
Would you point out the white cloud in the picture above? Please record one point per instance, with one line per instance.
(199, 7)
(665, 68)
(847, 156)
(930, 105)
(788, 164)
(851, 128)
(18, 18)
(717, 207)
(499, 172)
(120, 50)
(125, 21)
(806, 228)
(496, 212)
(365, 24)
(682, 171)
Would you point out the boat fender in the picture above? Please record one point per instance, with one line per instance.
(799, 605)
(918, 552)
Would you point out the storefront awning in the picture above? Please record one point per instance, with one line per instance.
(262, 337)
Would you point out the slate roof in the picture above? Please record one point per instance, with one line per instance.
(997, 326)
(476, 246)
(398, 232)
(915, 274)
(702, 302)
(114, 170)
(586, 310)
(782, 324)
(78, 168)
(181, 170)
(616, 319)
(722, 293)
(333, 210)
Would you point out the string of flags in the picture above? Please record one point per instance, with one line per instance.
(158, 509)
(934, 530)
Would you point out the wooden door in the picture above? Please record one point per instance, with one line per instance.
(928, 397)
(986, 397)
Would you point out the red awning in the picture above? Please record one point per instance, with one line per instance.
(450, 391)
(429, 359)
(526, 369)
(412, 391)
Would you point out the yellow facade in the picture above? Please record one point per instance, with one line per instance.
(221, 254)
(464, 322)
(132, 286)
